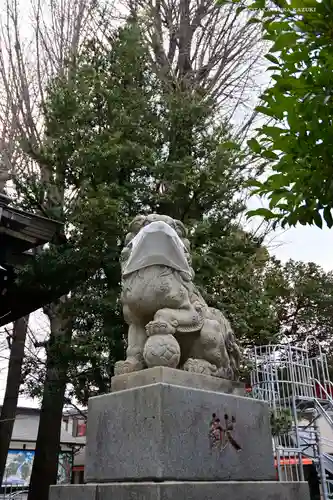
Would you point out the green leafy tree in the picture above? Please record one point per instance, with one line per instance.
(296, 147)
(26, 66)
(232, 275)
(303, 297)
(128, 146)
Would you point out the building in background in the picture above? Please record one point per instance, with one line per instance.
(75, 423)
(22, 450)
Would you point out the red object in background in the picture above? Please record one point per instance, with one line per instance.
(81, 429)
(322, 391)
(293, 461)
(78, 468)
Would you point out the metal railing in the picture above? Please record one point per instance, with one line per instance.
(298, 386)
(12, 493)
(18, 495)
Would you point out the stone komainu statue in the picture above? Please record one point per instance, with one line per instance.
(169, 322)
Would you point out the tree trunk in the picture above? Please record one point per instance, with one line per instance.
(45, 467)
(8, 411)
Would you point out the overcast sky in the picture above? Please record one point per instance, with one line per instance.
(307, 244)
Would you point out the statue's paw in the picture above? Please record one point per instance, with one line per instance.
(226, 373)
(198, 306)
(128, 366)
(200, 366)
(160, 328)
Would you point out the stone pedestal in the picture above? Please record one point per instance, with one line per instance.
(161, 432)
(150, 440)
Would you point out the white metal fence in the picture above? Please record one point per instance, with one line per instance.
(295, 382)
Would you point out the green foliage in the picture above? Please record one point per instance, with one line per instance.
(231, 271)
(120, 142)
(281, 422)
(298, 144)
(303, 298)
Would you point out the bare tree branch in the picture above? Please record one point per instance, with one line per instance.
(204, 46)
(31, 54)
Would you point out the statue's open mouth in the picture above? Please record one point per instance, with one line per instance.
(157, 244)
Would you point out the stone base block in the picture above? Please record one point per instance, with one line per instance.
(183, 491)
(161, 432)
(172, 376)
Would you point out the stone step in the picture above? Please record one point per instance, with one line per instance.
(183, 491)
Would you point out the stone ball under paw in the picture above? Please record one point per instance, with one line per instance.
(162, 350)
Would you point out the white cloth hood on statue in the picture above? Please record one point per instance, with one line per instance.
(156, 244)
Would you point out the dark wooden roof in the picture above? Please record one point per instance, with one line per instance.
(20, 233)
